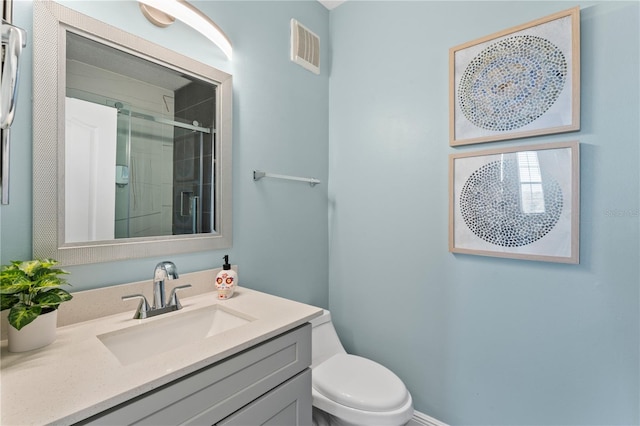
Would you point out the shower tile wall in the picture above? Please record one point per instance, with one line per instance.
(193, 166)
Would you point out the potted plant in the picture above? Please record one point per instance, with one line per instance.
(31, 291)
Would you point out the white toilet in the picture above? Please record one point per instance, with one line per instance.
(349, 390)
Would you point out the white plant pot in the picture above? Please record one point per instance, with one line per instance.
(40, 332)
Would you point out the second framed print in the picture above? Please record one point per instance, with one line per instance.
(519, 202)
(521, 82)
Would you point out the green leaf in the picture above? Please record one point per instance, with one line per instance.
(58, 271)
(8, 300)
(9, 273)
(21, 315)
(49, 281)
(48, 263)
(29, 267)
(15, 285)
(63, 294)
(49, 298)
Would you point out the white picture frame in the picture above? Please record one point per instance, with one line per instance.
(516, 202)
(520, 82)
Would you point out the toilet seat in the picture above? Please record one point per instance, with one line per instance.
(359, 383)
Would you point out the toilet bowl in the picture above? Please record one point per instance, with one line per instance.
(350, 390)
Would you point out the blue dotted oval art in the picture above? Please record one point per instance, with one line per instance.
(512, 82)
(490, 204)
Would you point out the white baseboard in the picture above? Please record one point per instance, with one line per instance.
(421, 419)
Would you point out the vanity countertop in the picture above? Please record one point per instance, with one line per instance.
(77, 376)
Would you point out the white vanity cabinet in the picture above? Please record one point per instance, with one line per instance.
(267, 384)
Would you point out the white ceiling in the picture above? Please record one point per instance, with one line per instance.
(331, 4)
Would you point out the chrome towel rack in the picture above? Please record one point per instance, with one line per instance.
(257, 175)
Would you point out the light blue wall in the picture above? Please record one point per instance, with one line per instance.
(481, 340)
(280, 125)
(477, 340)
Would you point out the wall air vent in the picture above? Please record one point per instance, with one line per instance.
(305, 47)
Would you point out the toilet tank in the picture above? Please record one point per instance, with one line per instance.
(324, 340)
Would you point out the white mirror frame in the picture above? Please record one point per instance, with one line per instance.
(51, 22)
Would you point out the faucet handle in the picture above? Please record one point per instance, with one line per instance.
(143, 307)
(173, 298)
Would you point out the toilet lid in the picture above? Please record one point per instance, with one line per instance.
(359, 383)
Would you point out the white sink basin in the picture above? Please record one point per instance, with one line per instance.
(150, 338)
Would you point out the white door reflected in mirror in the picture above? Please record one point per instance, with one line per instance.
(90, 153)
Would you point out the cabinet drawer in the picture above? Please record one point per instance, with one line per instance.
(290, 404)
(216, 391)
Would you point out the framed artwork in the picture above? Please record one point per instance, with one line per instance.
(520, 82)
(518, 202)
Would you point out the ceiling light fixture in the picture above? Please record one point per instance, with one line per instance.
(163, 12)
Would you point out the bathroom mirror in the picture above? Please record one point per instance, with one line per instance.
(132, 144)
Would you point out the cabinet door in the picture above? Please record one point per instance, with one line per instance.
(287, 405)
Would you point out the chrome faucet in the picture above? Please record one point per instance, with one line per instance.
(164, 270)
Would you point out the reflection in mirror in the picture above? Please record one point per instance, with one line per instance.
(143, 141)
(139, 152)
